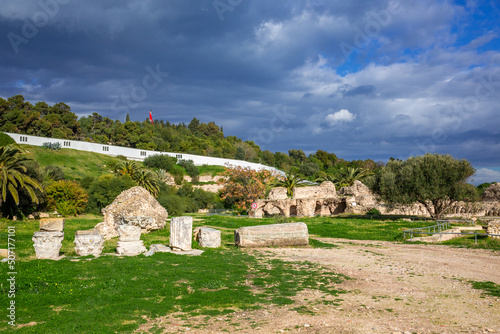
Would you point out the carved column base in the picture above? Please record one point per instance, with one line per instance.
(130, 248)
(88, 242)
(47, 244)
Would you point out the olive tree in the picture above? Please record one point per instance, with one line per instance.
(434, 180)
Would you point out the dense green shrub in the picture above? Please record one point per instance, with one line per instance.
(171, 201)
(373, 212)
(66, 197)
(6, 139)
(190, 168)
(309, 169)
(160, 161)
(54, 173)
(52, 146)
(104, 190)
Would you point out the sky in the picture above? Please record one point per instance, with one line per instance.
(362, 79)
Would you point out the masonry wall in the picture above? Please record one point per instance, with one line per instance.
(136, 154)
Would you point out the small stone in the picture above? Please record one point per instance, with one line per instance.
(4, 253)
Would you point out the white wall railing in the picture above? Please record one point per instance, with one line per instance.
(136, 154)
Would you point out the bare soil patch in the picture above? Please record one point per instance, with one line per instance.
(395, 288)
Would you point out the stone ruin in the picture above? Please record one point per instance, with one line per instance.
(88, 242)
(324, 200)
(135, 206)
(48, 241)
(287, 234)
(494, 228)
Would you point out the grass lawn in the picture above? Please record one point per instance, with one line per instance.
(113, 294)
(75, 164)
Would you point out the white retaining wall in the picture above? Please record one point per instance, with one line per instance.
(136, 154)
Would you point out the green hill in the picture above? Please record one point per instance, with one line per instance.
(75, 164)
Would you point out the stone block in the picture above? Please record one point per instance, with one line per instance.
(130, 248)
(47, 244)
(289, 234)
(181, 233)
(209, 237)
(129, 233)
(52, 224)
(88, 242)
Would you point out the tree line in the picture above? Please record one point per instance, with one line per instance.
(58, 121)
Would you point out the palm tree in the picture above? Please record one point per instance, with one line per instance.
(127, 168)
(290, 181)
(13, 175)
(347, 176)
(148, 180)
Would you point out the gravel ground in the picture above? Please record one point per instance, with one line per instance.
(395, 288)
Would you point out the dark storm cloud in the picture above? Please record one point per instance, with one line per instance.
(405, 70)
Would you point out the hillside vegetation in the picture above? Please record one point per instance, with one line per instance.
(57, 121)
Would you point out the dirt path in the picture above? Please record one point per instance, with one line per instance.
(396, 288)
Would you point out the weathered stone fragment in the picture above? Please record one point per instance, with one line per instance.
(325, 190)
(88, 242)
(209, 237)
(181, 233)
(52, 224)
(288, 234)
(157, 248)
(130, 240)
(129, 232)
(47, 244)
(278, 193)
(134, 202)
(130, 248)
(492, 193)
(142, 221)
(494, 228)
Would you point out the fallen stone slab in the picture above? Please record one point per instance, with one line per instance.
(157, 248)
(191, 252)
(288, 234)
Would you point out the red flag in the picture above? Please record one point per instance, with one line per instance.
(150, 116)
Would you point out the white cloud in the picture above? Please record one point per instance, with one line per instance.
(484, 175)
(341, 116)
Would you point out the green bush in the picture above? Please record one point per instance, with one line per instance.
(104, 190)
(54, 173)
(374, 212)
(66, 197)
(190, 168)
(6, 139)
(52, 146)
(309, 168)
(160, 161)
